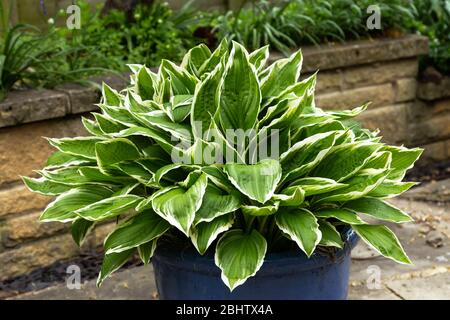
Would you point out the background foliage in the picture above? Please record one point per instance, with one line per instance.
(109, 39)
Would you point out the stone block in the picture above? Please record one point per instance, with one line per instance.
(379, 95)
(19, 199)
(28, 228)
(391, 120)
(32, 105)
(23, 148)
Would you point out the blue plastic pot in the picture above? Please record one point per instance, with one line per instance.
(186, 275)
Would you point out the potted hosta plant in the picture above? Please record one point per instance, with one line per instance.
(226, 173)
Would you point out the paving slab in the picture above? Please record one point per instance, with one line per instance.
(371, 276)
(438, 191)
(430, 288)
(131, 284)
(361, 292)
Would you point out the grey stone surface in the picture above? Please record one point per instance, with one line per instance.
(332, 56)
(430, 288)
(32, 105)
(433, 91)
(132, 284)
(82, 98)
(27, 106)
(438, 191)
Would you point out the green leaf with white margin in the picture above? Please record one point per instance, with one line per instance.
(204, 233)
(106, 124)
(159, 120)
(81, 146)
(345, 160)
(194, 58)
(109, 207)
(290, 197)
(379, 160)
(135, 231)
(306, 88)
(240, 255)
(343, 215)
(281, 74)
(402, 160)
(174, 172)
(330, 236)
(111, 177)
(136, 171)
(119, 114)
(301, 226)
(180, 80)
(215, 58)
(79, 230)
(378, 209)
(92, 127)
(218, 177)
(146, 250)
(44, 186)
(178, 205)
(390, 188)
(113, 262)
(256, 211)
(358, 186)
(161, 138)
(215, 204)
(348, 114)
(63, 208)
(306, 154)
(114, 151)
(60, 159)
(240, 96)
(66, 175)
(134, 104)
(259, 57)
(145, 83)
(206, 101)
(383, 240)
(257, 181)
(316, 185)
(110, 96)
(286, 110)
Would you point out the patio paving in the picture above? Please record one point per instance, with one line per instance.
(372, 276)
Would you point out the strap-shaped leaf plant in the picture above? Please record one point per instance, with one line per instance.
(159, 154)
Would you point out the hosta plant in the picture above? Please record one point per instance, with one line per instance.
(230, 156)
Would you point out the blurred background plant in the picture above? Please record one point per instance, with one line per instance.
(433, 21)
(115, 33)
(113, 38)
(287, 24)
(32, 58)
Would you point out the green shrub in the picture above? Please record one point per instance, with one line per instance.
(29, 57)
(286, 24)
(433, 21)
(148, 158)
(154, 33)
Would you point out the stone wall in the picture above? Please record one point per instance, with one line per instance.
(382, 71)
(431, 123)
